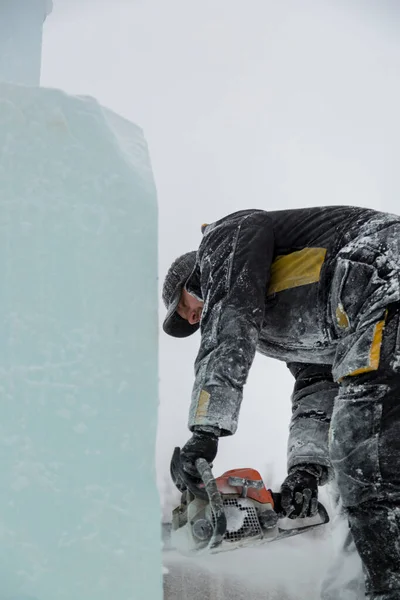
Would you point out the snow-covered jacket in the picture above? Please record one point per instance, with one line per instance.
(265, 280)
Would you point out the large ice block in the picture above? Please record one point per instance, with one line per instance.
(79, 510)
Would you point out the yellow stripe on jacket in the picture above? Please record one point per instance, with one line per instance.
(295, 269)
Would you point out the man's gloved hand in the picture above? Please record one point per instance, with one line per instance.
(202, 444)
(299, 491)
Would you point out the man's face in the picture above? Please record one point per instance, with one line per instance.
(189, 308)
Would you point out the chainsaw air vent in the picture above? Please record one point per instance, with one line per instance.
(242, 520)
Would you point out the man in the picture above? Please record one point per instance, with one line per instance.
(318, 288)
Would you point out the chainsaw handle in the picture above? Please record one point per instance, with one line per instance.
(182, 480)
(321, 510)
(215, 501)
(209, 493)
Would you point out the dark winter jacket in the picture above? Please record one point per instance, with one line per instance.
(265, 278)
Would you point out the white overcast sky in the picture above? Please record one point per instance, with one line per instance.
(253, 103)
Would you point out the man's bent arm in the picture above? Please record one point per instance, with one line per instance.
(234, 262)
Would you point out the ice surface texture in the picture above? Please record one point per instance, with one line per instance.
(79, 511)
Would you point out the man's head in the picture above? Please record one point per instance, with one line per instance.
(183, 309)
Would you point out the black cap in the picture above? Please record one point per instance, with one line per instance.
(178, 274)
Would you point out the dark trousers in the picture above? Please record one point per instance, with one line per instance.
(365, 453)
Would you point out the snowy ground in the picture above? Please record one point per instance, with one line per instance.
(284, 570)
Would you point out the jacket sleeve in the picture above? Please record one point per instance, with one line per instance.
(312, 404)
(234, 261)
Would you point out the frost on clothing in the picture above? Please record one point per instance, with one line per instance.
(366, 281)
(233, 273)
(320, 289)
(238, 258)
(365, 452)
(312, 403)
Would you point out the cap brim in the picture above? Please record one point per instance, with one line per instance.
(175, 325)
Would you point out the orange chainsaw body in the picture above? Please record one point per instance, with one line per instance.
(263, 496)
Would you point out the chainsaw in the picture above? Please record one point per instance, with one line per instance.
(232, 511)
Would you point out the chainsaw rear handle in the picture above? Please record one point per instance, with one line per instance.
(321, 510)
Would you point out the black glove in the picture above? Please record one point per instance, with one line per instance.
(299, 491)
(202, 444)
